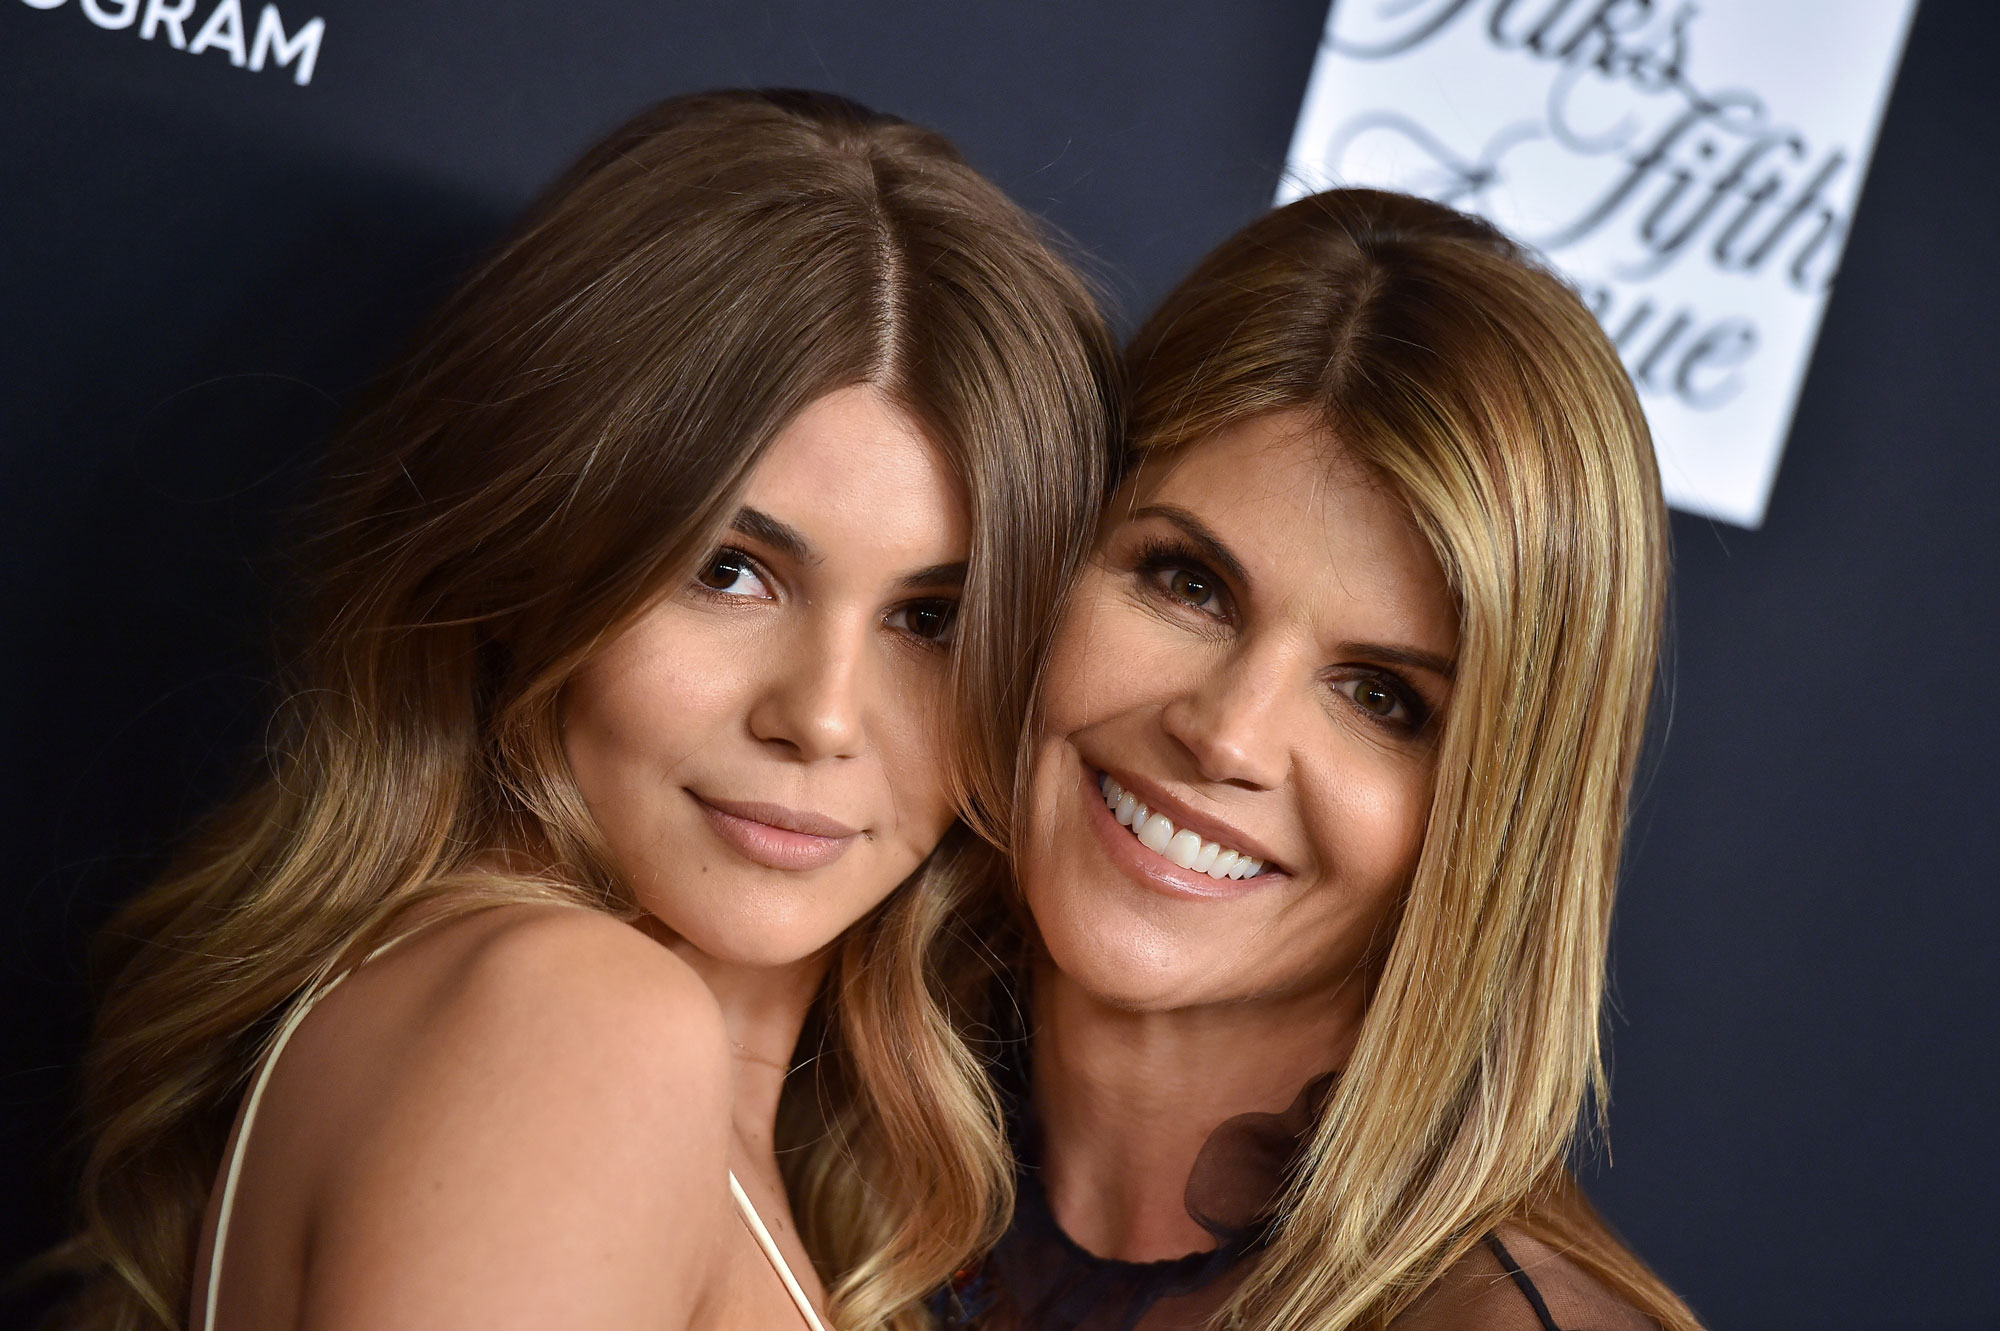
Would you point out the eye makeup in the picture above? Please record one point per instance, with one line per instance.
(1176, 576)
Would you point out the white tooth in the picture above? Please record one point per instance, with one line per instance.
(1241, 867)
(1251, 868)
(1127, 806)
(1224, 862)
(1112, 790)
(1104, 784)
(1209, 850)
(1155, 832)
(1183, 849)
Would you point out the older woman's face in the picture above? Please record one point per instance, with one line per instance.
(1233, 762)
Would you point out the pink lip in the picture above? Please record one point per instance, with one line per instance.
(1154, 870)
(775, 836)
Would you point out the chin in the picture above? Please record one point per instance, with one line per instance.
(772, 935)
(773, 949)
(1118, 957)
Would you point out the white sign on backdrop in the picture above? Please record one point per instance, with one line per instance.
(1691, 168)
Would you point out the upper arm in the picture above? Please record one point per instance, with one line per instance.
(547, 1147)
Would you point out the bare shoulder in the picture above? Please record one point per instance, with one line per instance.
(548, 986)
(527, 1124)
(525, 968)
(1514, 1281)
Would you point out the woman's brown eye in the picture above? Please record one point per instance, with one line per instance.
(1374, 698)
(1190, 587)
(727, 571)
(721, 572)
(931, 619)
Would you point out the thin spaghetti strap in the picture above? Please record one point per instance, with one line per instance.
(771, 1253)
(236, 1150)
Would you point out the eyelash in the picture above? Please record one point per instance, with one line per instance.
(1159, 558)
(757, 570)
(944, 639)
(731, 554)
(1416, 716)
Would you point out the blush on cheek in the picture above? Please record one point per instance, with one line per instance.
(920, 797)
(1389, 826)
(1089, 659)
(1369, 819)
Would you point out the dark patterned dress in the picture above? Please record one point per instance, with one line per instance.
(1039, 1279)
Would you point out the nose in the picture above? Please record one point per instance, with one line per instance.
(1231, 723)
(810, 703)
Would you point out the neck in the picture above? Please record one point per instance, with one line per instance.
(763, 1010)
(1127, 1100)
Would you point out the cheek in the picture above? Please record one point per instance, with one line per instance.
(1368, 824)
(1113, 940)
(1044, 835)
(919, 780)
(910, 739)
(1071, 697)
(1105, 658)
(631, 718)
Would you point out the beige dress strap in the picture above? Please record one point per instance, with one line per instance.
(235, 1172)
(755, 1224)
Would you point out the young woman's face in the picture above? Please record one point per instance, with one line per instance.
(763, 748)
(1257, 655)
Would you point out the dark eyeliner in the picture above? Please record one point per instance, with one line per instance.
(950, 607)
(709, 560)
(1419, 709)
(1160, 555)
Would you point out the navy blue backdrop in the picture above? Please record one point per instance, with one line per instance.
(199, 263)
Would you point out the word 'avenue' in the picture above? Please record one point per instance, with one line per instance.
(224, 30)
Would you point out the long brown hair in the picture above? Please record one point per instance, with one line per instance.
(1476, 384)
(570, 434)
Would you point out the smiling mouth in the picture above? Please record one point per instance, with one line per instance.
(1184, 848)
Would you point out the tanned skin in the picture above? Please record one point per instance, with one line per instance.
(526, 1117)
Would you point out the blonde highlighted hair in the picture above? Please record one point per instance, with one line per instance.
(570, 434)
(1476, 384)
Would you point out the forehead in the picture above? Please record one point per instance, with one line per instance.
(855, 474)
(1313, 527)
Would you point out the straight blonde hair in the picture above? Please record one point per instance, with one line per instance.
(1476, 384)
(569, 436)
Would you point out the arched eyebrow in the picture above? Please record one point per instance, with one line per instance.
(786, 539)
(1442, 666)
(790, 542)
(933, 577)
(1206, 542)
(781, 536)
(1212, 548)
